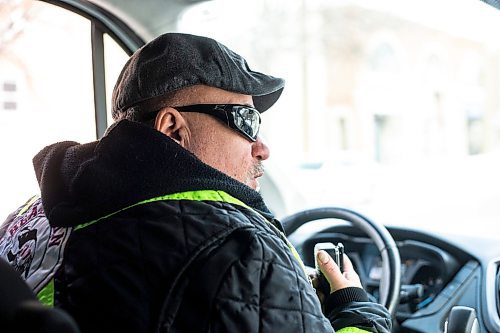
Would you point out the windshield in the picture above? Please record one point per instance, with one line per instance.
(391, 108)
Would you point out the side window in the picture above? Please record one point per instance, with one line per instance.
(46, 89)
(114, 60)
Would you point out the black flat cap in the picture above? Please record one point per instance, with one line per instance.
(174, 61)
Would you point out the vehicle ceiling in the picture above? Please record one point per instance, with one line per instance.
(148, 18)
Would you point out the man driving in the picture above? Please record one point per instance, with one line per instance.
(161, 222)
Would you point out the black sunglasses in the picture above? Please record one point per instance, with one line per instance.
(242, 118)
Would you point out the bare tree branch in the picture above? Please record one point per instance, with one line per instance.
(14, 14)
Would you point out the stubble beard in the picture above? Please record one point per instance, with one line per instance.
(256, 169)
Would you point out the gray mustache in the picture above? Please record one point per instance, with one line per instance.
(258, 168)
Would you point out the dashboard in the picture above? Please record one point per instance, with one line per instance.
(437, 273)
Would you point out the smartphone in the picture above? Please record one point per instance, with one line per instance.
(335, 251)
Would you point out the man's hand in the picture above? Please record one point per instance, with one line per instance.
(336, 279)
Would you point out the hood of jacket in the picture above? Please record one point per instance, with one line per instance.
(131, 163)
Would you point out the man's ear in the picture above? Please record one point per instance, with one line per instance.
(170, 122)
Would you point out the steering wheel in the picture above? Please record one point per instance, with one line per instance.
(391, 263)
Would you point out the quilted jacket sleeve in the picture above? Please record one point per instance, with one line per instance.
(267, 291)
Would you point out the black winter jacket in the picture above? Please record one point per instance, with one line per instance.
(144, 237)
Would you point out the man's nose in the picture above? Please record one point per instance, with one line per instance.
(260, 150)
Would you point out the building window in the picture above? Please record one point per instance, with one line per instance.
(9, 105)
(9, 87)
(8, 96)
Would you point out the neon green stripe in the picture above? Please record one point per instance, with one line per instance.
(352, 330)
(297, 256)
(205, 195)
(46, 295)
(28, 204)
